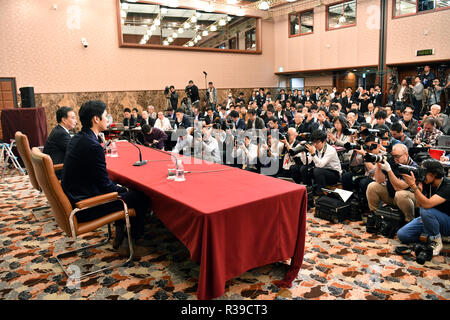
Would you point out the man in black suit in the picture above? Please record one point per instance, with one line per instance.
(59, 138)
(238, 123)
(181, 119)
(128, 119)
(210, 117)
(85, 176)
(260, 98)
(254, 122)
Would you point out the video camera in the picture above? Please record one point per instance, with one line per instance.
(166, 90)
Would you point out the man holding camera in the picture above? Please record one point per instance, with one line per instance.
(434, 93)
(390, 188)
(433, 198)
(192, 93)
(327, 166)
(398, 134)
(429, 135)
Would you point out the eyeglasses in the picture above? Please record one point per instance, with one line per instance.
(398, 156)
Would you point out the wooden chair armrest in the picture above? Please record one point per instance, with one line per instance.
(95, 201)
(58, 166)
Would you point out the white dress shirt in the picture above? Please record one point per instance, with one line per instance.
(163, 125)
(327, 158)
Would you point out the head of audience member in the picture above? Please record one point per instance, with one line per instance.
(243, 111)
(313, 110)
(327, 104)
(210, 84)
(389, 110)
(234, 115)
(144, 115)
(308, 104)
(429, 124)
(293, 107)
(307, 93)
(377, 88)
(318, 90)
(351, 118)
(298, 118)
(381, 116)
(172, 88)
(273, 123)
(65, 116)
(400, 153)
(371, 107)
(279, 107)
(288, 104)
(93, 116)
(318, 139)
(322, 115)
(398, 110)
(134, 112)
(127, 113)
(150, 109)
(319, 103)
(408, 113)
(252, 114)
(161, 115)
(261, 91)
(435, 110)
(339, 123)
(147, 129)
(434, 172)
(426, 69)
(305, 111)
(397, 131)
(270, 111)
(292, 134)
(417, 80)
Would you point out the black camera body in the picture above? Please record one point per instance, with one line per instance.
(423, 253)
(166, 90)
(419, 172)
(301, 147)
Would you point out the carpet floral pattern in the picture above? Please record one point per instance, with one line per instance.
(341, 261)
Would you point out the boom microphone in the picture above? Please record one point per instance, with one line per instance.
(140, 162)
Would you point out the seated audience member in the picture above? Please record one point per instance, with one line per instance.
(291, 164)
(210, 117)
(171, 114)
(391, 117)
(433, 198)
(380, 119)
(429, 135)
(208, 146)
(370, 114)
(153, 137)
(390, 188)
(409, 124)
(246, 154)
(162, 122)
(184, 141)
(322, 122)
(254, 122)
(336, 134)
(135, 114)
(145, 119)
(181, 119)
(198, 117)
(151, 112)
(241, 98)
(274, 125)
(361, 172)
(128, 120)
(398, 134)
(327, 166)
(435, 113)
(351, 120)
(59, 138)
(299, 125)
(237, 123)
(85, 176)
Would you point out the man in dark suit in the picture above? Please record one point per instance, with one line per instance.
(85, 176)
(254, 122)
(181, 119)
(210, 117)
(260, 98)
(238, 123)
(128, 119)
(59, 138)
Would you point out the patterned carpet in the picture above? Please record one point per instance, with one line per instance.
(341, 262)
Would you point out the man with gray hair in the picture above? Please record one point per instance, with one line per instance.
(151, 112)
(390, 188)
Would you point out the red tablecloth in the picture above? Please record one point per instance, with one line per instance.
(230, 221)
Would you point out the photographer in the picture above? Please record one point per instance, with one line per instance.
(409, 124)
(192, 93)
(389, 187)
(327, 166)
(290, 167)
(173, 97)
(402, 95)
(246, 153)
(429, 135)
(434, 93)
(184, 141)
(153, 137)
(361, 172)
(433, 198)
(398, 134)
(211, 96)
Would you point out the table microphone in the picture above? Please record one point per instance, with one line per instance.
(140, 162)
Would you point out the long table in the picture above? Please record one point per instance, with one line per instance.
(229, 219)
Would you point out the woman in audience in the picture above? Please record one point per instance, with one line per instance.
(336, 134)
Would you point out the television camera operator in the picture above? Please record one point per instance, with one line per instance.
(389, 185)
(193, 95)
(320, 162)
(433, 198)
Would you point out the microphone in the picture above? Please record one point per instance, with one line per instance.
(205, 73)
(140, 162)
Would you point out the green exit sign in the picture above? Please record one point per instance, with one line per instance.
(425, 52)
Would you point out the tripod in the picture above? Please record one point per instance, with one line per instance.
(6, 154)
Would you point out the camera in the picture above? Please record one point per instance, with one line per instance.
(419, 172)
(408, 81)
(304, 136)
(375, 158)
(423, 253)
(352, 146)
(368, 132)
(166, 90)
(349, 132)
(301, 147)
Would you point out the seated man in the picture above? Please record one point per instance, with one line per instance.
(389, 187)
(433, 198)
(128, 119)
(237, 123)
(409, 124)
(162, 122)
(184, 141)
(85, 176)
(429, 135)
(207, 147)
(145, 119)
(59, 138)
(153, 137)
(398, 134)
(327, 166)
(181, 119)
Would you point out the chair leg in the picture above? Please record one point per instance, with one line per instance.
(70, 253)
(33, 210)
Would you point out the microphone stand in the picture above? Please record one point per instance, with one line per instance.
(206, 86)
(140, 162)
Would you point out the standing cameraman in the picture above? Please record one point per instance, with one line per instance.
(434, 94)
(433, 198)
(417, 97)
(173, 97)
(390, 188)
(192, 93)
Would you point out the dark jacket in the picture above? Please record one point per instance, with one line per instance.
(84, 173)
(156, 134)
(185, 122)
(56, 144)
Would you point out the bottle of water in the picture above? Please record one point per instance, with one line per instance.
(180, 171)
(114, 153)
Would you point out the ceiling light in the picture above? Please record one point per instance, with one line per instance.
(175, 35)
(222, 22)
(213, 28)
(125, 6)
(164, 10)
(165, 42)
(187, 25)
(205, 33)
(199, 37)
(228, 19)
(180, 30)
(191, 44)
(170, 39)
(194, 19)
(264, 5)
(197, 27)
(157, 22)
